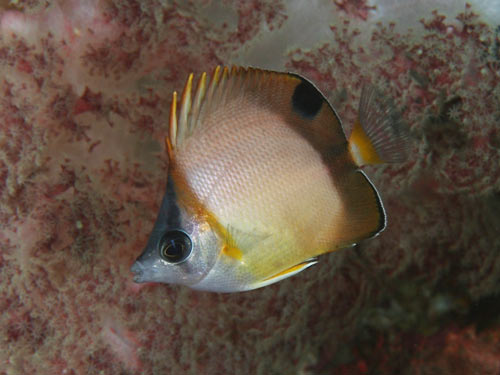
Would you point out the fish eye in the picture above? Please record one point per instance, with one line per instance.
(175, 246)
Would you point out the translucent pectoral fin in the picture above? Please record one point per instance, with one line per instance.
(286, 273)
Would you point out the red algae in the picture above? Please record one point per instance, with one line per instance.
(85, 94)
(123, 343)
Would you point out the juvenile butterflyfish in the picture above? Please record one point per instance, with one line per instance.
(262, 180)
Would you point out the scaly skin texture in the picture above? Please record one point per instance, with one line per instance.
(85, 94)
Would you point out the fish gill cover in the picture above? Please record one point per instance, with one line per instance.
(85, 91)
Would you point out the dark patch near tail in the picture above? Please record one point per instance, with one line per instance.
(307, 99)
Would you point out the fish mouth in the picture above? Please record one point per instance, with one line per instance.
(138, 271)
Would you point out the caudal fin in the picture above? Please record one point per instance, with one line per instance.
(379, 135)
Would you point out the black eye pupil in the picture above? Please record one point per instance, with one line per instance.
(175, 246)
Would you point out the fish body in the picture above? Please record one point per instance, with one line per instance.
(262, 180)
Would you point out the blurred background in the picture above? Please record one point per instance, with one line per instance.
(85, 91)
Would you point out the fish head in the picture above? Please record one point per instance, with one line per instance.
(182, 248)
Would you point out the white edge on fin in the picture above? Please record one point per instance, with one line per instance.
(379, 203)
(287, 273)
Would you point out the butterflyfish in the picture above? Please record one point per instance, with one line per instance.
(262, 180)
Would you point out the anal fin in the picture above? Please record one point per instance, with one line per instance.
(286, 273)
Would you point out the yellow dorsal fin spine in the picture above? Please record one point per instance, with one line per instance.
(214, 81)
(185, 109)
(221, 91)
(172, 127)
(198, 99)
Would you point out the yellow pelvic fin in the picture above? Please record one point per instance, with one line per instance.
(230, 247)
(287, 273)
(232, 252)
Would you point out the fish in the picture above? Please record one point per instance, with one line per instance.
(262, 180)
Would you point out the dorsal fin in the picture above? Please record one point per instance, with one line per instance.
(181, 126)
(208, 96)
(313, 117)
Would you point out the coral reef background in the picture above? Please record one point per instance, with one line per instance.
(85, 90)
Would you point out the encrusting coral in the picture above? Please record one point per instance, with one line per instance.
(85, 90)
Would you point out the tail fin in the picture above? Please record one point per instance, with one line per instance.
(379, 135)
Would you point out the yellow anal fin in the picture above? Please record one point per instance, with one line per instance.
(286, 273)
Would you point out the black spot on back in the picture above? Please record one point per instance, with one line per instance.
(306, 99)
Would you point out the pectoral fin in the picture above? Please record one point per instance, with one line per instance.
(286, 273)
